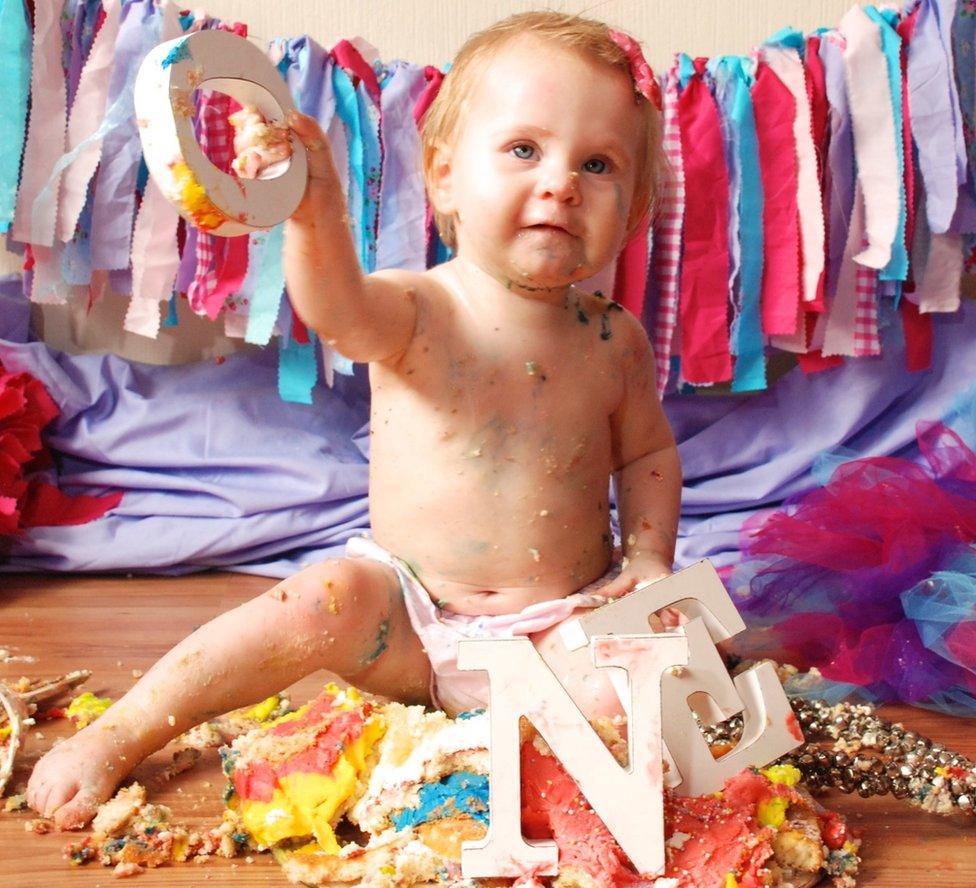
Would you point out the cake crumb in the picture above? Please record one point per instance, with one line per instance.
(278, 593)
(124, 870)
(171, 720)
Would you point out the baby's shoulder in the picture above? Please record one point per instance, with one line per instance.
(616, 324)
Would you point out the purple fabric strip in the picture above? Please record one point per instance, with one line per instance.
(188, 260)
(840, 158)
(115, 183)
(402, 240)
(934, 107)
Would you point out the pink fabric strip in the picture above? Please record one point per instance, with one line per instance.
(869, 94)
(705, 357)
(46, 126)
(85, 118)
(667, 237)
(352, 61)
(787, 66)
(230, 274)
(773, 106)
(631, 277)
(216, 140)
(839, 331)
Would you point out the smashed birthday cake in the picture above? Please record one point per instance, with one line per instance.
(346, 792)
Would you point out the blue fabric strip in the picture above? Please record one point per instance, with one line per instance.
(171, 319)
(750, 366)
(347, 107)
(897, 267)
(298, 370)
(268, 283)
(15, 50)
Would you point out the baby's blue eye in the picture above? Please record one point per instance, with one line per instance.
(595, 165)
(523, 152)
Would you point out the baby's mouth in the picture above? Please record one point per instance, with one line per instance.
(547, 227)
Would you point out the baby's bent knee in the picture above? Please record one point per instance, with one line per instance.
(345, 596)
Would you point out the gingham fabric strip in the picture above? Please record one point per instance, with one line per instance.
(866, 339)
(666, 257)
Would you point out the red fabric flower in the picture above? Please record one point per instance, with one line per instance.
(25, 408)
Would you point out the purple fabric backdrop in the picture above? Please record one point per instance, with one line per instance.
(219, 472)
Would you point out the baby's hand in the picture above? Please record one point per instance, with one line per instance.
(321, 171)
(261, 147)
(643, 570)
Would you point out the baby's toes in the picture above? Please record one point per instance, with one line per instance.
(44, 793)
(76, 812)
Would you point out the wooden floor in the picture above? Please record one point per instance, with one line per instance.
(116, 625)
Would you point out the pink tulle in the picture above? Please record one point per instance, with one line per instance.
(27, 500)
(872, 578)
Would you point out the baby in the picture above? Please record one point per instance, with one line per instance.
(504, 397)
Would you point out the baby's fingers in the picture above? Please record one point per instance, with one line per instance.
(314, 140)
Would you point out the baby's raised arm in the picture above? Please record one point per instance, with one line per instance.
(364, 317)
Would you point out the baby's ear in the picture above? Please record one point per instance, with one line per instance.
(440, 180)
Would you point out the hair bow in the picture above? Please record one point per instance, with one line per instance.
(644, 80)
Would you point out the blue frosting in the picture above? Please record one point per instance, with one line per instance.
(177, 54)
(461, 793)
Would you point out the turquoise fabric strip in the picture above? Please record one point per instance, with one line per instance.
(15, 50)
(297, 370)
(347, 107)
(265, 286)
(750, 366)
(897, 267)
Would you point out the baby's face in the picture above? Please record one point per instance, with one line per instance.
(542, 172)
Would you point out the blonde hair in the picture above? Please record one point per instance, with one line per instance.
(586, 36)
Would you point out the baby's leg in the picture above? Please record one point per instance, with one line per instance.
(344, 615)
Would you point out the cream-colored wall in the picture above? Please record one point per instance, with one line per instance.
(431, 31)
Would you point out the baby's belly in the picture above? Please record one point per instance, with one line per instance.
(477, 553)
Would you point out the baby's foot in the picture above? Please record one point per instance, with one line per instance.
(78, 775)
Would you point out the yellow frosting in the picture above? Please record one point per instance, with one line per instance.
(784, 774)
(307, 803)
(772, 812)
(193, 198)
(86, 707)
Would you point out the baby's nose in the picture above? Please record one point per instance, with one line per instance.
(561, 184)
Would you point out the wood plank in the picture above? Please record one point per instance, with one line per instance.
(114, 625)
